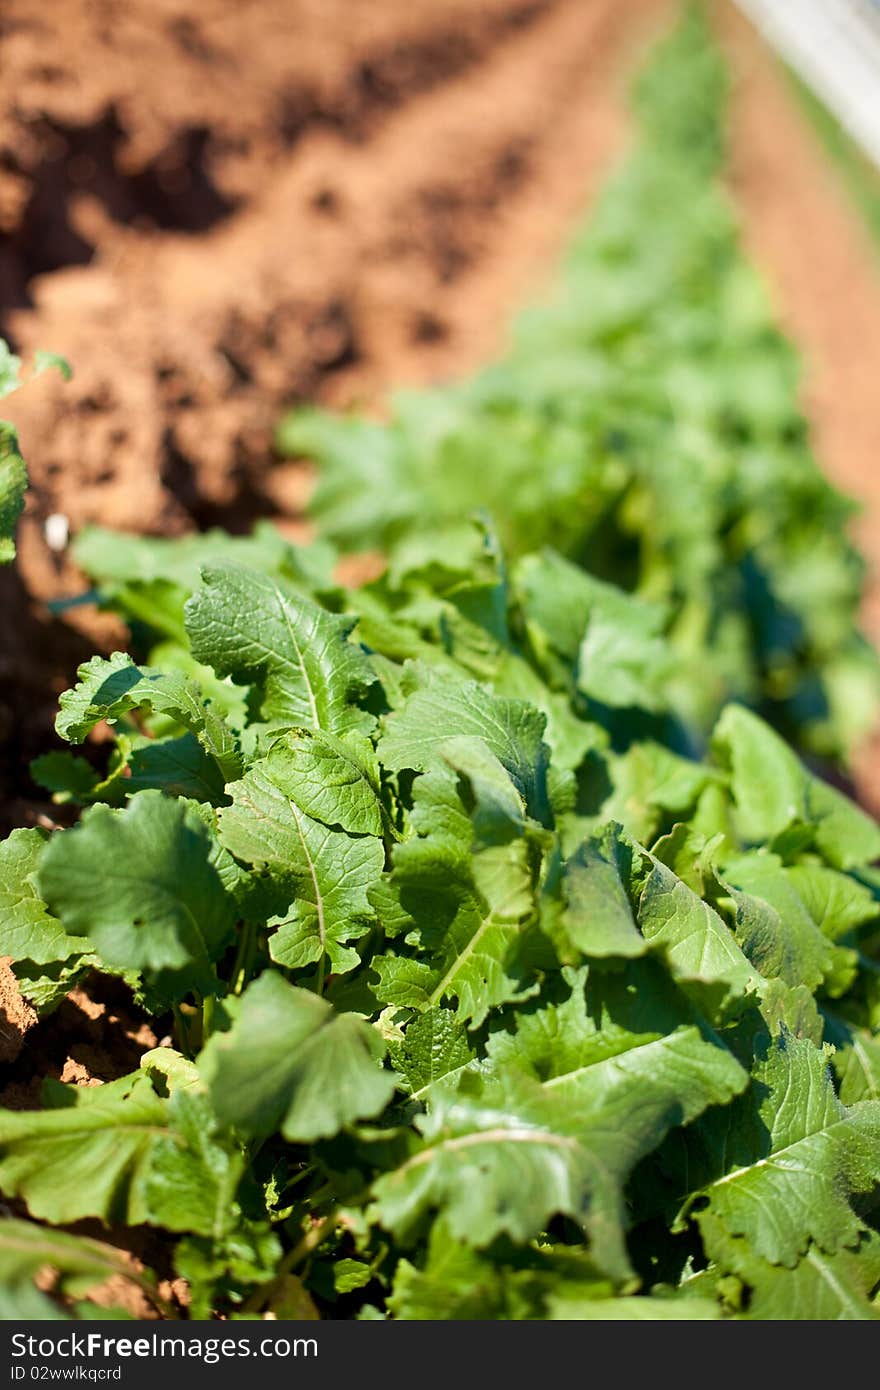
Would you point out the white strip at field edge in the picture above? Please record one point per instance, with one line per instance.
(834, 46)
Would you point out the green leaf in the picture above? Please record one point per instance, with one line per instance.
(260, 631)
(322, 876)
(415, 735)
(455, 1282)
(69, 779)
(28, 931)
(773, 791)
(141, 885)
(498, 812)
(333, 780)
(566, 1305)
(469, 913)
(222, 1272)
(175, 766)
(773, 925)
(87, 1155)
(593, 914)
(13, 485)
(110, 688)
(23, 1301)
(792, 1007)
(52, 361)
(856, 1060)
(566, 1111)
(113, 557)
(837, 903)
(78, 1264)
(46, 986)
(795, 1154)
(821, 1287)
(698, 948)
(650, 783)
(10, 370)
(193, 1177)
(611, 640)
(48, 962)
(349, 1275)
(434, 1048)
(175, 1070)
(290, 1062)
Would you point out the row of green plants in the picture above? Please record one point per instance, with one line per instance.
(645, 423)
(478, 994)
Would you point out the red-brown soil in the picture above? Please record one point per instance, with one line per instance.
(215, 208)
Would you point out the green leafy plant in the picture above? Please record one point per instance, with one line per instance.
(645, 422)
(481, 1003)
(13, 473)
(486, 986)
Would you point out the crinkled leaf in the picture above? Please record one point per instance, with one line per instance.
(260, 631)
(434, 1048)
(110, 688)
(513, 731)
(773, 925)
(699, 949)
(321, 875)
(333, 780)
(820, 1288)
(794, 1156)
(473, 955)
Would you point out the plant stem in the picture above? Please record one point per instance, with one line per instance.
(207, 1017)
(319, 987)
(310, 1242)
(181, 1030)
(241, 967)
(159, 1303)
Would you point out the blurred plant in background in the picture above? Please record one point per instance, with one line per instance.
(646, 424)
